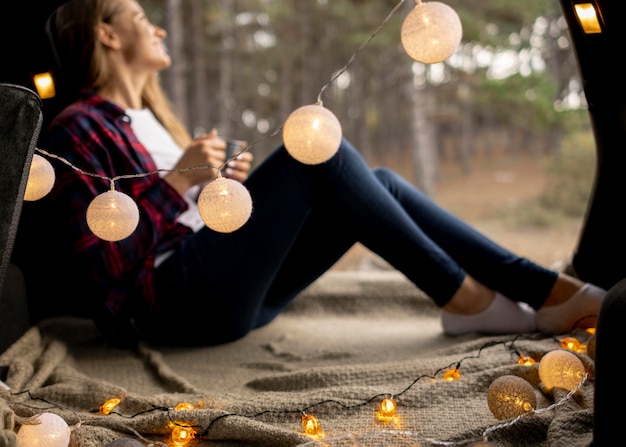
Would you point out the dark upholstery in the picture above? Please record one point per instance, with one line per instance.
(20, 123)
(609, 391)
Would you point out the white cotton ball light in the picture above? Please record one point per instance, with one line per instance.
(46, 430)
(312, 134)
(224, 205)
(112, 216)
(41, 178)
(510, 396)
(431, 32)
(561, 369)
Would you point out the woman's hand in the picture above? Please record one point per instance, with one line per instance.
(239, 167)
(207, 149)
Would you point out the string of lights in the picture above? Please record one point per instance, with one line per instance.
(510, 399)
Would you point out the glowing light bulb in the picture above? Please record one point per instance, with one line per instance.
(311, 425)
(44, 84)
(561, 369)
(46, 430)
(109, 405)
(184, 406)
(525, 360)
(451, 375)
(570, 343)
(510, 396)
(182, 435)
(224, 205)
(40, 178)
(112, 216)
(386, 409)
(312, 134)
(431, 32)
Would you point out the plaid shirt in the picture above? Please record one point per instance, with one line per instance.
(95, 136)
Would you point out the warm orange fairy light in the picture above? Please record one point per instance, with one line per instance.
(182, 435)
(588, 18)
(311, 426)
(44, 84)
(451, 375)
(184, 406)
(386, 409)
(525, 360)
(109, 405)
(573, 344)
(570, 343)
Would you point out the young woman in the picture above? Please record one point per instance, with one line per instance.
(172, 272)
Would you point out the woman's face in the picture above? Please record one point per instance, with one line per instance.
(141, 42)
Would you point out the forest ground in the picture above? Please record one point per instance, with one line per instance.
(492, 199)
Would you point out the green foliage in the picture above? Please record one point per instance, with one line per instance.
(523, 101)
(570, 175)
(568, 186)
(507, 16)
(532, 213)
(260, 59)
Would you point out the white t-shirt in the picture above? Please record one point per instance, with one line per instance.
(165, 153)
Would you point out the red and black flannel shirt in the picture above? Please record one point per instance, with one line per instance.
(95, 136)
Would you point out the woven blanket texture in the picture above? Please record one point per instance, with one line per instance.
(350, 340)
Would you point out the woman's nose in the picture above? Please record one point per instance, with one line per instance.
(160, 32)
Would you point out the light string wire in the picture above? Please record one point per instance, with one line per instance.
(484, 437)
(367, 401)
(79, 420)
(112, 180)
(204, 431)
(358, 50)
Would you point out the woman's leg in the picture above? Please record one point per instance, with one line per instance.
(561, 300)
(490, 266)
(483, 259)
(304, 219)
(238, 281)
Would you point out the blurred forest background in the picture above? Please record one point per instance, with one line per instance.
(498, 133)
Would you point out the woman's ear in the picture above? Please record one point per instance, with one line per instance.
(107, 36)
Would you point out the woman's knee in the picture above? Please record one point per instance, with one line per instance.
(385, 175)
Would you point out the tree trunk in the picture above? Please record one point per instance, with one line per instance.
(176, 82)
(424, 140)
(226, 91)
(199, 98)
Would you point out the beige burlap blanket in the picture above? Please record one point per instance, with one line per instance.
(349, 341)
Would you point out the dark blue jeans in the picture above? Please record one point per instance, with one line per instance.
(304, 218)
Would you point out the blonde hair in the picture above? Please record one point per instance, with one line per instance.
(83, 63)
